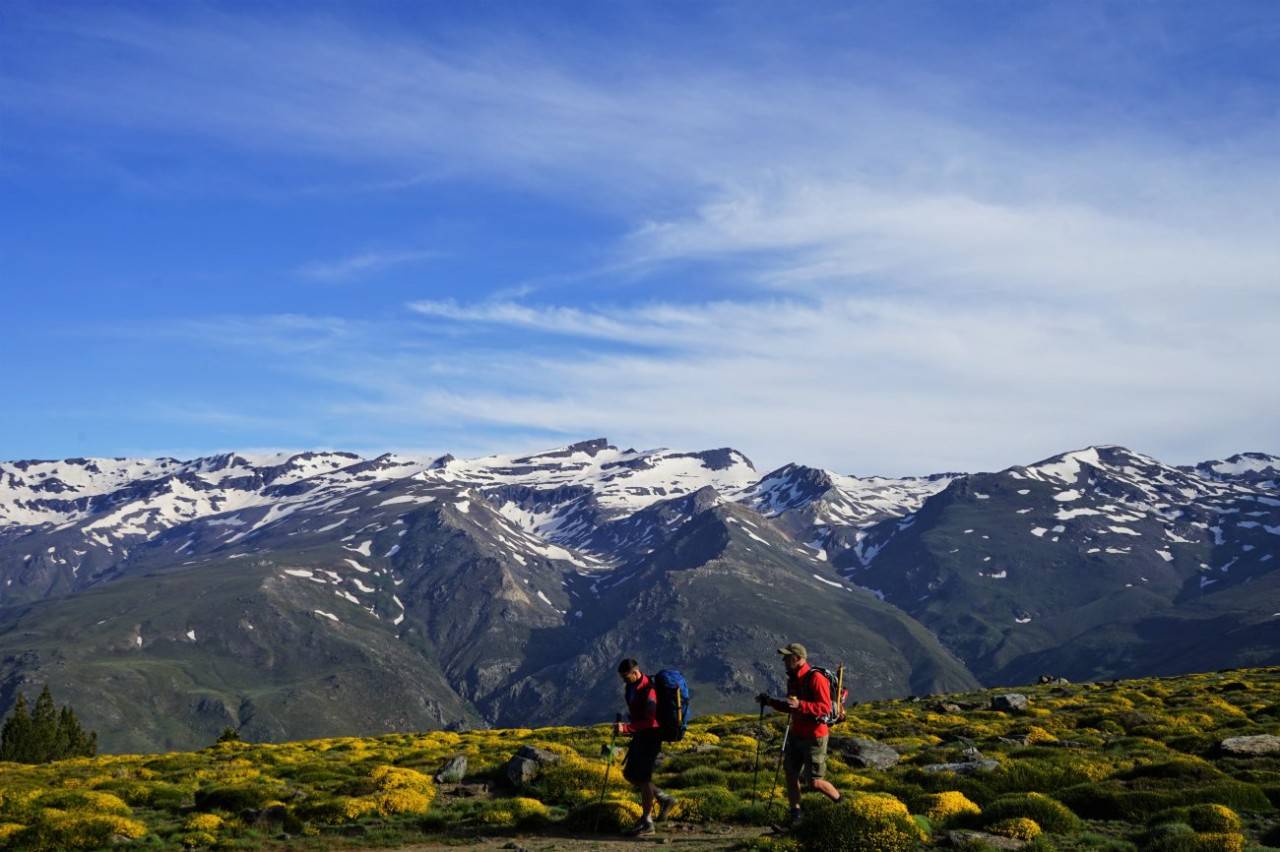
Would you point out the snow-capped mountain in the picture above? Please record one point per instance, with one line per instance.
(498, 589)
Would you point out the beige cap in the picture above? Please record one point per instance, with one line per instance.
(795, 649)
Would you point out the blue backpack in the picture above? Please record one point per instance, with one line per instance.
(673, 704)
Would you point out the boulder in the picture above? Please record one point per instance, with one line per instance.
(1251, 746)
(868, 754)
(526, 764)
(962, 839)
(453, 771)
(948, 707)
(968, 767)
(1009, 702)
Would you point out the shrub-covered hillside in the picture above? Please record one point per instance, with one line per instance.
(1183, 763)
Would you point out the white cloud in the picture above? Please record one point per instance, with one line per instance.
(354, 266)
(918, 283)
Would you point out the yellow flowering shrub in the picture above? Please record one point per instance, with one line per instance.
(197, 839)
(877, 805)
(608, 817)
(1220, 842)
(9, 829)
(87, 800)
(59, 829)
(337, 809)
(509, 813)
(401, 801)
(1019, 828)
(203, 822)
(1036, 735)
(860, 821)
(943, 807)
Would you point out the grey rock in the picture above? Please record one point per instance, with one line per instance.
(520, 771)
(868, 754)
(1250, 746)
(1009, 702)
(453, 771)
(962, 839)
(526, 764)
(968, 767)
(971, 754)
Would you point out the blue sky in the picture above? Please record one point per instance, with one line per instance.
(883, 238)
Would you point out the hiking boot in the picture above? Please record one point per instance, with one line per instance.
(643, 828)
(666, 802)
(794, 818)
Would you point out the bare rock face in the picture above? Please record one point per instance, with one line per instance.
(1251, 746)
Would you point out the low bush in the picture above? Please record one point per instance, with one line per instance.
(55, 829)
(1209, 817)
(1049, 814)
(946, 807)
(706, 804)
(237, 797)
(857, 823)
(609, 817)
(1019, 828)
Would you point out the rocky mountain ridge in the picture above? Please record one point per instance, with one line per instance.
(319, 593)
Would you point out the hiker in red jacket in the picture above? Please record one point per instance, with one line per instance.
(808, 700)
(646, 742)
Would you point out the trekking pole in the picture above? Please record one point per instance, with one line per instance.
(755, 779)
(778, 768)
(608, 765)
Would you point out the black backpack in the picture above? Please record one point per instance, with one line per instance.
(839, 695)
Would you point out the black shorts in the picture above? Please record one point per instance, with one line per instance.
(641, 756)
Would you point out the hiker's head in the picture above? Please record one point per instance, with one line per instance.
(793, 656)
(629, 670)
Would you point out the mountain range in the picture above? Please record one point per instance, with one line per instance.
(321, 593)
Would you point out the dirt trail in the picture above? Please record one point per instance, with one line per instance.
(677, 838)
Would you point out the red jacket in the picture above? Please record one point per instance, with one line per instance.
(642, 706)
(815, 700)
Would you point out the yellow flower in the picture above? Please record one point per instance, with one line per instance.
(401, 801)
(204, 822)
(940, 807)
(1019, 828)
(876, 806)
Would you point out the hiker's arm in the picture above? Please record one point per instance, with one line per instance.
(776, 703)
(822, 693)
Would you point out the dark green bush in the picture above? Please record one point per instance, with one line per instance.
(1186, 770)
(235, 797)
(1050, 814)
(707, 804)
(1116, 800)
(700, 776)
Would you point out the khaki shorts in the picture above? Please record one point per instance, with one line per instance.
(806, 757)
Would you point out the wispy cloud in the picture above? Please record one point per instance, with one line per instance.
(354, 266)
(915, 268)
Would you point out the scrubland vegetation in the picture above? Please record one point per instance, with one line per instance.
(1131, 765)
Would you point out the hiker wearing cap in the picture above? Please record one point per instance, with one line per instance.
(808, 701)
(646, 743)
